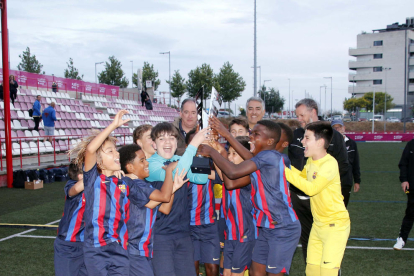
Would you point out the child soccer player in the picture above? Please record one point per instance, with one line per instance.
(279, 228)
(238, 211)
(69, 241)
(144, 205)
(173, 249)
(142, 137)
(320, 180)
(204, 231)
(106, 210)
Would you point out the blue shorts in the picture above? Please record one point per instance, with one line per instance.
(238, 255)
(206, 243)
(49, 131)
(221, 228)
(275, 247)
(140, 266)
(69, 258)
(110, 259)
(173, 257)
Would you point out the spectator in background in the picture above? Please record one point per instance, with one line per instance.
(144, 96)
(255, 111)
(353, 159)
(54, 87)
(406, 166)
(37, 112)
(49, 118)
(186, 122)
(13, 88)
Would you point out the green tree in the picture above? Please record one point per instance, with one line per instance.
(242, 111)
(231, 83)
(178, 86)
(379, 101)
(273, 101)
(29, 63)
(71, 72)
(199, 77)
(148, 73)
(113, 73)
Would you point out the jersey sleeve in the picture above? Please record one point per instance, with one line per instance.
(139, 192)
(68, 186)
(263, 158)
(323, 179)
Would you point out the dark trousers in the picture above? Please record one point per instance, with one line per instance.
(346, 193)
(37, 122)
(408, 219)
(13, 96)
(303, 211)
(143, 101)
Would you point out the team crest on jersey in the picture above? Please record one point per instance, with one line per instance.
(122, 188)
(314, 175)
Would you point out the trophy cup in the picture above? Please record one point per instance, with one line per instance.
(202, 164)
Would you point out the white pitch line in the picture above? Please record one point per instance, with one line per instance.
(36, 237)
(372, 248)
(24, 232)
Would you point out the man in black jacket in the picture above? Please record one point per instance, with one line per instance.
(353, 159)
(406, 166)
(307, 112)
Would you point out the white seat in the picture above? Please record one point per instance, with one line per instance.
(34, 92)
(16, 124)
(20, 114)
(43, 93)
(33, 147)
(98, 125)
(82, 115)
(26, 149)
(26, 115)
(48, 101)
(78, 117)
(16, 149)
(93, 124)
(95, 116)
(42, 147)
(41, 125)
(35, 133)
(50, 94)
(48, 146)
(28, 134)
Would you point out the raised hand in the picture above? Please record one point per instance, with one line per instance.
(119, 174)
(204, 150)
(118, 121)
(200, 137)
(179, 179)
(215, 124)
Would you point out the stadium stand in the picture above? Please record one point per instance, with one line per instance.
(75, 118)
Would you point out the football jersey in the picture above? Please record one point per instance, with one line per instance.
(270, 191)
(141, 219)
(71, 225)
(202, 202)
(106, 210)
(238, 211)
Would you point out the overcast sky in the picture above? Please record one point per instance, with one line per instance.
(302, 40)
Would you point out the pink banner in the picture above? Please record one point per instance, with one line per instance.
(381, 137)
(44, 82)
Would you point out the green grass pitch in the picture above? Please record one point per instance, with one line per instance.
(376, 212)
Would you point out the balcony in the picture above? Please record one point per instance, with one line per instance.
(366, 76)
(411, 47)
(411, 61)
(353, 64)
(365, 51)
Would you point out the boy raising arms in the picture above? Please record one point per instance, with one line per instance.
(320, 180)
(106, 210)
(279, 228)
(144, 203)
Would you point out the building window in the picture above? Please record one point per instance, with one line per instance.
(378, 43)
(377, 81)
(377, 56)
(411, 81)
(378, 69)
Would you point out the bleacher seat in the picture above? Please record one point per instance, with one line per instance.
(16, 124)
(48, 146)
(26, 149)
(26, 115)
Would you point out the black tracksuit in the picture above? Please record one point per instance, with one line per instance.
(406, 166)
(13, 91)
(300, 201)
(353, 159)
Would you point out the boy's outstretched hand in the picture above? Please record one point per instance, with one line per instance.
(204, 150)
(179, 179)
(200, 137)
(215, 124)
(118, 121)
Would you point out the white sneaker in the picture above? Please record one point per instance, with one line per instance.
(399, 244)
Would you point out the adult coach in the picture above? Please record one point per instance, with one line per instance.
(406, 166)
(353, 159)
(37, 112)
(186, 122)
(255, 111)
(49, 118)
(307, 112)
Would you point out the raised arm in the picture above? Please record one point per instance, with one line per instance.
(295, 177)
(93, 146)
(76, 189)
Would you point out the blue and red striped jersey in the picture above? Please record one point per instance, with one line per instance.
(202, 202)
(141, 219)
(238, 211)
(71, 226)
(270, 191)
(106, 211)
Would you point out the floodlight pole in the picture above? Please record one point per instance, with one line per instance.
(132, 76)
(385, 99)
(255, 53)
(289, 98)
(169, 70)
(96, 63)
(373, 109)
(6, 94)
(331, 92)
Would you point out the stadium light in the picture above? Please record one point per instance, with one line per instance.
(132, 76)
(96, 63)
(385, 98)
(331, 92)
(169, 70)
